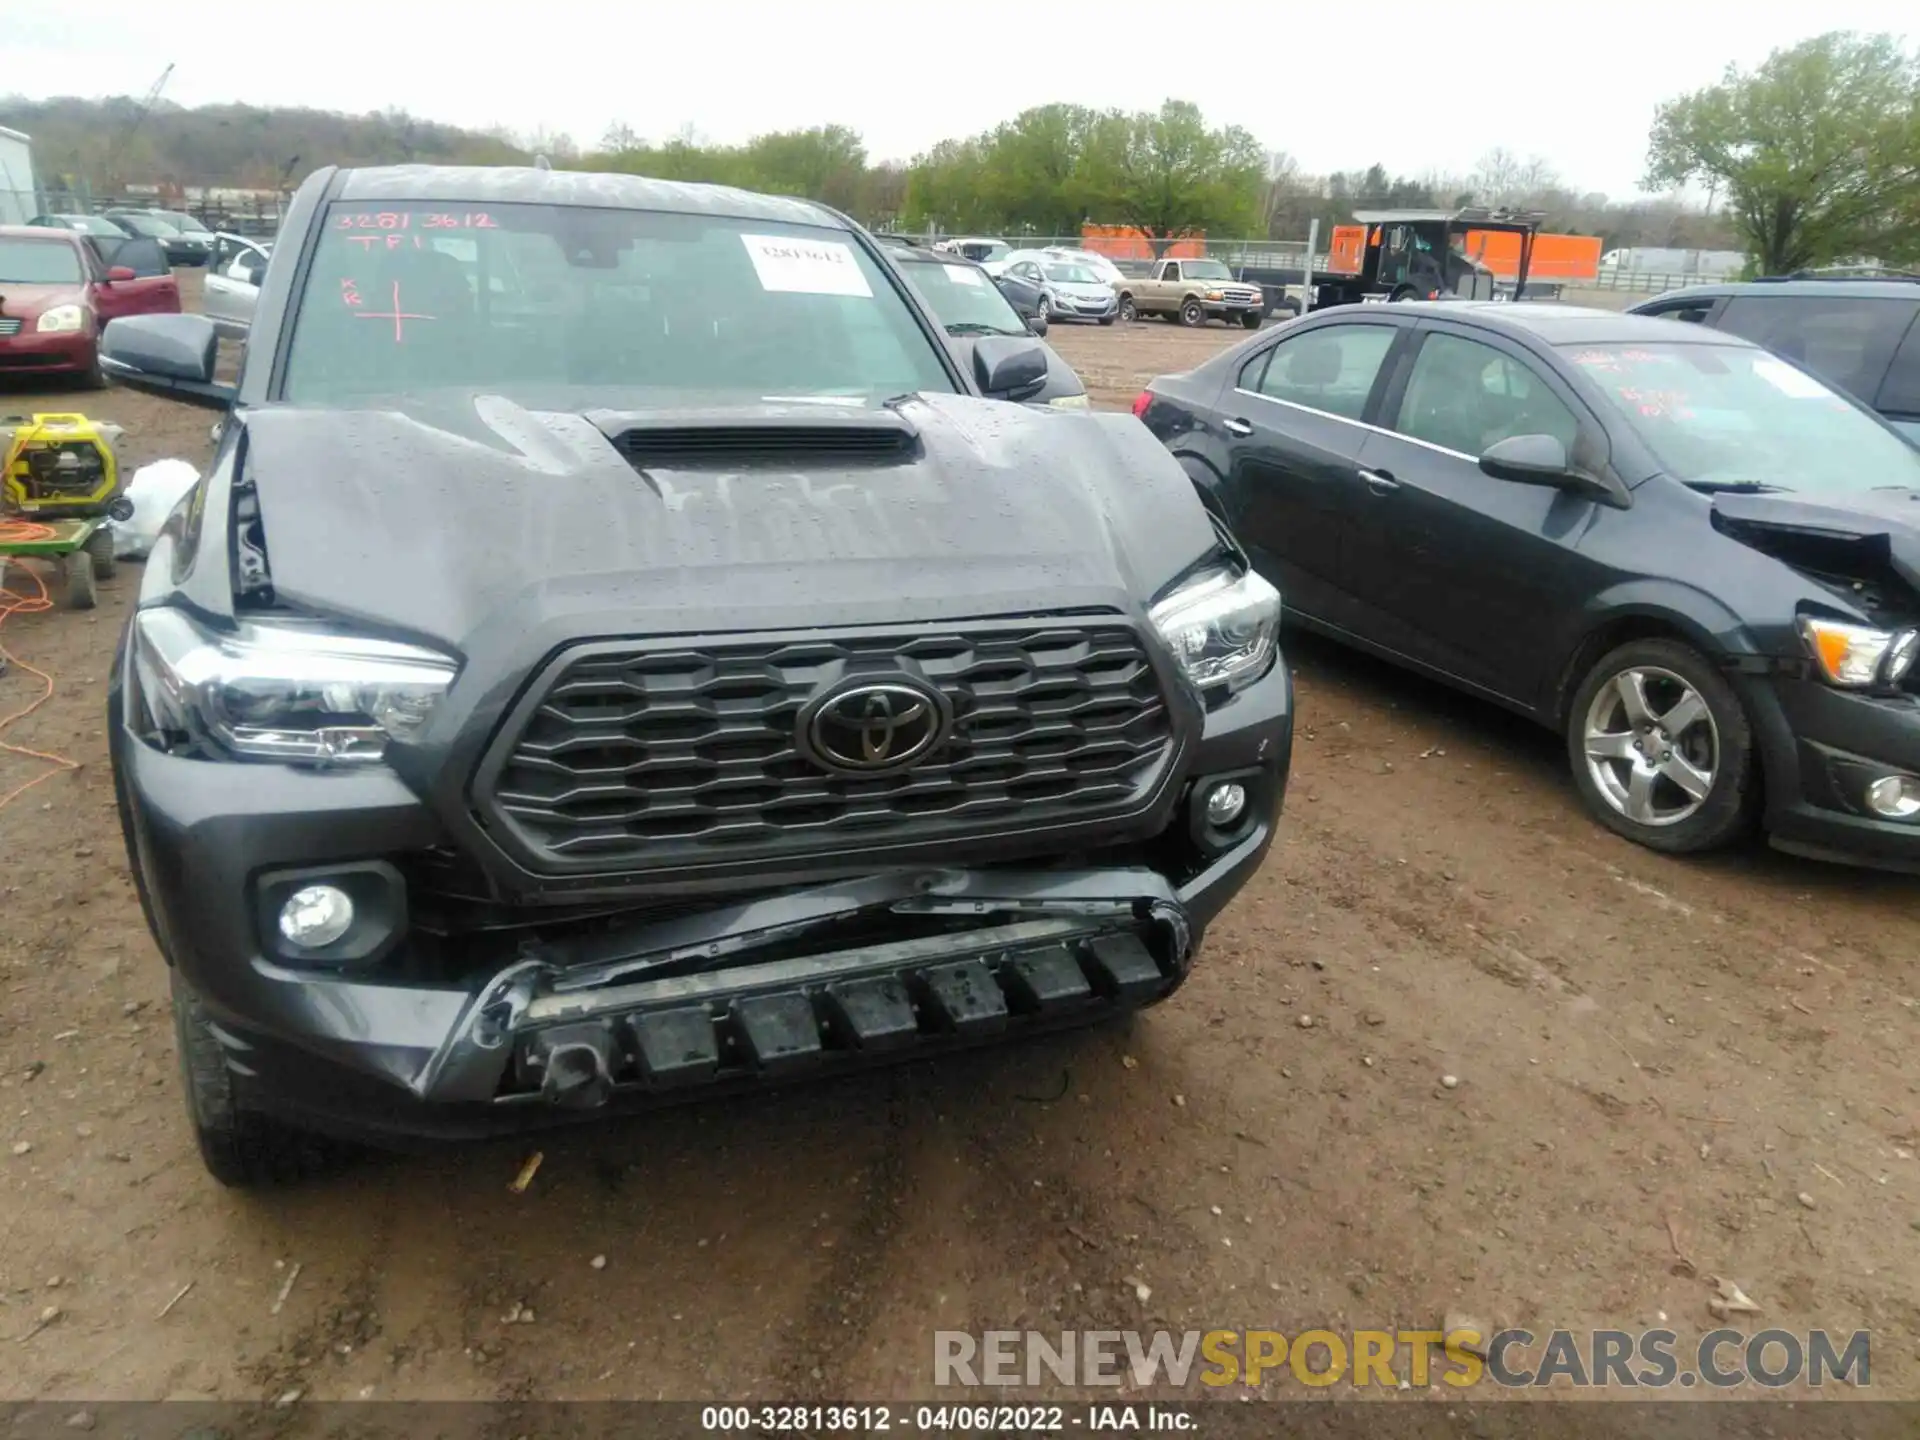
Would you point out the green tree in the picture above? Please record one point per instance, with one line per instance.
(827, 163)
(1175, 177)
(1817, 152)
(947, 188)
(1044, 169)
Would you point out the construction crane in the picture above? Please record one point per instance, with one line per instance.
(133, 125)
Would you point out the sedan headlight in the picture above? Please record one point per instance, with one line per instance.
(1070, 402)
(61, 320)
(1221, 627)
(292, 692)
(1859, 655)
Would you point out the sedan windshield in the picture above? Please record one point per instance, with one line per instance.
(38, 262)
(569, 306)
(1205, 270)
(182, 222)
(148, 226)
(1724, 417)
(1066, 274)
(94, 225)
(963, 299)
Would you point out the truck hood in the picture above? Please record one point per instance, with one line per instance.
(464, 522)
(1865, 537)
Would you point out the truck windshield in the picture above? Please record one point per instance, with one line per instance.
(566, 305)
(38, 262)
(1725, 417)
(963, 299)
(1205, 270)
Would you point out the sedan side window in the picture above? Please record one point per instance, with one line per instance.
(1330, 369)
(1464, 396)
(1900, 392)
(1694, 312)
(1845, 341)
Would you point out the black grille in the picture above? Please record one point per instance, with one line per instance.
(764, 442)
(643, 758)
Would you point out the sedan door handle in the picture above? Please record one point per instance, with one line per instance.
(1380, 482)
(1238, 427)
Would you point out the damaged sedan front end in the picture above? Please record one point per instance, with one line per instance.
(517, 726)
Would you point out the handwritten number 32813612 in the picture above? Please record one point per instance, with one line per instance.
(399, 229)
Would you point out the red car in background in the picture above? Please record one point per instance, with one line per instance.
(57, 293)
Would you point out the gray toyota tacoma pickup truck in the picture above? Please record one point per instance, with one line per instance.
(620, 652)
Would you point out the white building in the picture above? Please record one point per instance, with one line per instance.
(19, 192)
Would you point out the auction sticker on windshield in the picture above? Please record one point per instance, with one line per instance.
(1789, 381)
(805, 267)
(962, 274)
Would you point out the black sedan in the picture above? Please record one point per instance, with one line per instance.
(1692, 558)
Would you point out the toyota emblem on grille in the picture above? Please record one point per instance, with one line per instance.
(873, 726)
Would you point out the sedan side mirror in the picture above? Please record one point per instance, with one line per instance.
(1543, 460)
(1007, 365)
(172, 355)
(1529, 460)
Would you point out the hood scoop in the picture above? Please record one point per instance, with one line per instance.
(814, 436)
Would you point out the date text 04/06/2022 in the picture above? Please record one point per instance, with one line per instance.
(964, 1419)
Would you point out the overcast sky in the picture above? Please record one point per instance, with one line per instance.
(1428, 86)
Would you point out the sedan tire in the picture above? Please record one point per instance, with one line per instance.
(1662, 749)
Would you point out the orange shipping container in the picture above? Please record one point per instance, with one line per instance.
(1121, 242)
(1555, 257)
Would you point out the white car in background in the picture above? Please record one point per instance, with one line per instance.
(235, 268)
(984, 250)
(1093, 260)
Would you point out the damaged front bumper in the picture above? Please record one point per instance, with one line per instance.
(1823, 747)
(548, 1038)
(1027, 951)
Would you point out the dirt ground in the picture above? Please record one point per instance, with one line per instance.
(1665, 1071)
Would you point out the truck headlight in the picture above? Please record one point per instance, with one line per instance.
(1858, 655)
(1222, 627)
(61, 320)
(287, 691)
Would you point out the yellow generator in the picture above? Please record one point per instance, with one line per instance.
(61, 467)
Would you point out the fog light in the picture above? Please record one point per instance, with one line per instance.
(1224, 804)
(1895, 796)
(315, 916)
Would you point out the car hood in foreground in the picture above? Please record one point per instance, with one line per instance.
(478, 515)
(1852, 536)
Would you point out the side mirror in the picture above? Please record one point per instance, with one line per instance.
(1005, 365)
(1529, 460)
(120, 272)
(171, 355)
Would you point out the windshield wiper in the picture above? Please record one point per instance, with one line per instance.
(974, 327)
(1737, 487)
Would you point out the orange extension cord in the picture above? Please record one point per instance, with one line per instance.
(14, 603)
